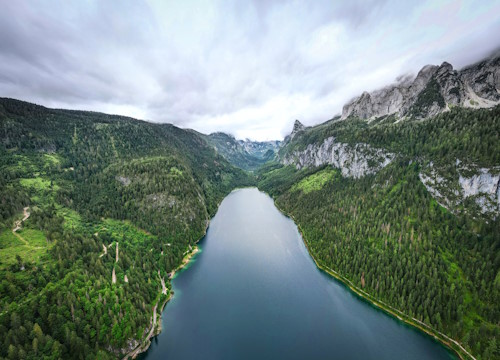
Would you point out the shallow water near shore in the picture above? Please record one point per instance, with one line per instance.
(254, 292)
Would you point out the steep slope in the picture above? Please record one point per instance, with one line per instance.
(434, 90)
(245, 154)
(367, 195)
(93, 181)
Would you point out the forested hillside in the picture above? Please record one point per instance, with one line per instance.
(96, 210)
(385, 231)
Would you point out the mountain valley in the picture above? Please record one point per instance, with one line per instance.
(398, 197)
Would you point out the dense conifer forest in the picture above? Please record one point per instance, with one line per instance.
(386, 233)
(89, 181)
(97, 209)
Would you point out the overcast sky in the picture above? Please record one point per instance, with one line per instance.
(249, 68)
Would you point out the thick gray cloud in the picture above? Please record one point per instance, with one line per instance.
(248, 68)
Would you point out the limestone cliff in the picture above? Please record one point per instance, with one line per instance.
(435, 89)
(353, 160)
(480, 187)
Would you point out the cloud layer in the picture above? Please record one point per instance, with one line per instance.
(248, 68)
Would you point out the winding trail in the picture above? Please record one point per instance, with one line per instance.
(139, 349)
(18, 226)
(163, 287)
(18, 223)
(145, 342)
(105, 250)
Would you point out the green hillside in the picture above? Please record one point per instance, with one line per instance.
(385, 232)
(89, 181)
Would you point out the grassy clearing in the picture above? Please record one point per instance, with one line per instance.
(124, 230)
(8, 239)
(30, 244)
(315, 181)
(38, 184)
(51, 159)
(72, 219)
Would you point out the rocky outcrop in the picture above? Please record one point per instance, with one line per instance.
(124, 180)
(353, 160)
(481, 185)
(484, 187)
(298, 127)
(435, 89)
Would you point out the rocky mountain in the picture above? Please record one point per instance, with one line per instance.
(460, 181)
(245, 154)
(408, 212)
(261, 149)
(355, 160)
(297, 128)
(435, 89)
(309, 147)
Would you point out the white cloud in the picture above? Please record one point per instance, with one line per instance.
(249, 68)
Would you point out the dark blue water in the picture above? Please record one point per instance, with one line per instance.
(255, 293)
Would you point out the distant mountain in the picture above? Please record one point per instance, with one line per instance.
(434, 90)
(245, 154)
(261, 149)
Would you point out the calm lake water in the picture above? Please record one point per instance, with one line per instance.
(255, 293)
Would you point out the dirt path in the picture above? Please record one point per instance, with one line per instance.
(105, 250)
(146, 339)
(113, 276)
(163, 287)
(139, 349)
(18, 223)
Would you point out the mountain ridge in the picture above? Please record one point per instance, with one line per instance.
(434, 90)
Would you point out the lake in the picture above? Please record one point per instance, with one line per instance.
(254, 292)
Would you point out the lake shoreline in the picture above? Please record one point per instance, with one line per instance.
(145, 342)
(437, 336)
(443, 339)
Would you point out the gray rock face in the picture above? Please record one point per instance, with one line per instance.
(124, 180)
(353, 160)
(434, 90)
(482, 185)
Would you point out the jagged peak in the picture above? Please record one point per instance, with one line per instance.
(297, 126)
(401, 97)
(446, 65)
(427, 69)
